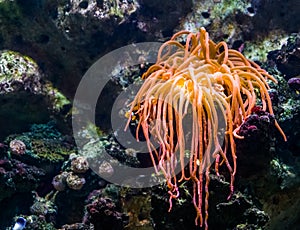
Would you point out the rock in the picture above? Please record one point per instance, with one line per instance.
(24, 95)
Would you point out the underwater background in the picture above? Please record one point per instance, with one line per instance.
(47, 46)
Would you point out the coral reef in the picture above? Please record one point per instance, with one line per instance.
(44, 207)
(103, 214)
(79, 164)
(18, 71)
(74, 181)
(18, 177)
(85, 18)
(17, 147)
(59, 181)
(241, 210)
(73, 178)
(287, 58)
(24, 90)
(44, 143)
(46, 46)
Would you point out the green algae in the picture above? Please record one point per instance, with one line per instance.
(258, 50)
(44, 143)
(15, 67)
(219, 12)
(58, 100)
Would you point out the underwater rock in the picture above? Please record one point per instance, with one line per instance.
(136, 204)
(294, 83)
(103, 214)
(80, 20)
(164, 16)
(222, 19)
(222, 215)
(277, 185)
(66, 37)
(20, 86)
(253, 26)
(35, 222)
(76, 226)
(287, 58)
(18, 72)
(25, 96)
(249, 215)
(44, 144)
(18, 177)
(44, 206)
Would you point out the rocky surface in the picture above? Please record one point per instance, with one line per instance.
(46, 46)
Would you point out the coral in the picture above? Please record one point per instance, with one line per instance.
(137, 206)
(17, 147)
(50, 150)
(287, 58)
(258, 145)
(258, 125)
(35, 222)
(103, 214)
(44, 207)
(45, 143)
(24, 91)
(294, 83)
(105, 13)
(74, 181)
(241, 209)
(105, 169)
(76, 226)
(18, 71)
(16, 176)
(59, 181)
(93, 151)
(79, 165)
(284, 175)
(209, 82)
(57, 100)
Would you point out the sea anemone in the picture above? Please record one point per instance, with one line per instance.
(208, 82)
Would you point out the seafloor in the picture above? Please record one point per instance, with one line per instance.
(46, 47)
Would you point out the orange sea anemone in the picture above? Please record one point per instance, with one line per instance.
(206, 81)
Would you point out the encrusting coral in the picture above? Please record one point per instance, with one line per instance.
(208, 82)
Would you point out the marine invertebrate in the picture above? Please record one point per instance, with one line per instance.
(105, 169)
(44, 206)
(59, 181)
(103, 213)
(209, 83)
(294, 83)
(17, 147)
(16, 176)
(18, 72)
(74, 181)
(79, 165)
